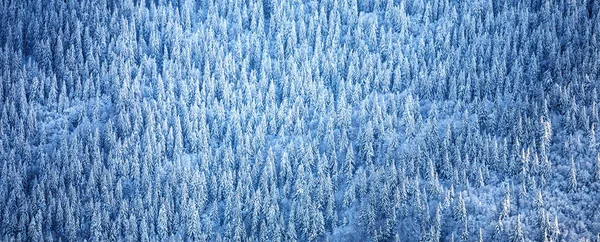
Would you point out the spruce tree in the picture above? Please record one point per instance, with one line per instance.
(572, 176)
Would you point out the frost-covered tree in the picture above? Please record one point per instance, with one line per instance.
(366, 149)
(572, 176)
(517, 234)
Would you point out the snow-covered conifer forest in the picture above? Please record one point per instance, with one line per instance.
(299, 120)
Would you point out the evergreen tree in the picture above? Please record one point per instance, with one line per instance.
(437, 226)
(194, 232)
(518, 231)
(572, 176)
(34, 229)
(506, 203)
(162, 226)
(96, 226)
(349, 164)
(367, 140)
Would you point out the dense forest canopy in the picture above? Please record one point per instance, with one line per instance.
(299, 120)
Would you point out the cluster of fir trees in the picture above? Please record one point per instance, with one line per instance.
(240, 120)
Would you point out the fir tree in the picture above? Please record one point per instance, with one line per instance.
(572, 176)
(518, 230)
